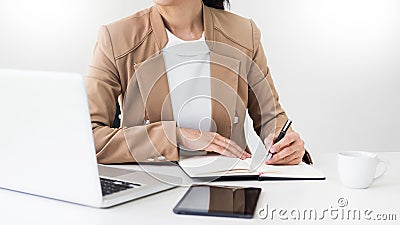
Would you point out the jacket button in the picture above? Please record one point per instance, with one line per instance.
(161, 158)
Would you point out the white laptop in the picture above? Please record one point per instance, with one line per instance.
(46, 144)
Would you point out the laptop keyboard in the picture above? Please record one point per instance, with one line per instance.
(109, 186)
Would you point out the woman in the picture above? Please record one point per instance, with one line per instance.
(130, 64)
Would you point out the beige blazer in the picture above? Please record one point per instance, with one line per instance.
(128, 67)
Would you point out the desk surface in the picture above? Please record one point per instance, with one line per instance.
(295, 197)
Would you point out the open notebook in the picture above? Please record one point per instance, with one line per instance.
(226, 168)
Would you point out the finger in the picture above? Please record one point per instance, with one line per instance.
(222, 142)
(228, 152)
(286, 141)
(296, 161)
(241, 150)
(268, 141)
(227, 146)
(224, 148)
(233, 144)
(285, 152)
(219, 149)
(288, 160)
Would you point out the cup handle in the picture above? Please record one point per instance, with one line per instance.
(384, 171)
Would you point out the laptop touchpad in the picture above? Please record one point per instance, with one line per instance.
(106, 171)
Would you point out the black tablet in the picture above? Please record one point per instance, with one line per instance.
(227, 201)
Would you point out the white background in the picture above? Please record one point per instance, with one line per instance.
(335, 62)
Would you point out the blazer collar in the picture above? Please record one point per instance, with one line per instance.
(158, 27)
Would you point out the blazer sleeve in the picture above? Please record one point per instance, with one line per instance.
(263, 104)
(120, 145)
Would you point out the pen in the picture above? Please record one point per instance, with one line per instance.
(280, 136)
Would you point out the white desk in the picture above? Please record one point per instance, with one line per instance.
(382, 197)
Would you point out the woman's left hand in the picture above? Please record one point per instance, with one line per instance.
(288, 151)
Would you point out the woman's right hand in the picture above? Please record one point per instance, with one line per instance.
(210, 142)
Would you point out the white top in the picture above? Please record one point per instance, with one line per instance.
(188, 71)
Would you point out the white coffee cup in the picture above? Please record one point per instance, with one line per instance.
(357, 169)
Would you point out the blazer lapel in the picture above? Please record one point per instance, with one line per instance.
(153, 84)
(224, 85)
(224, 79)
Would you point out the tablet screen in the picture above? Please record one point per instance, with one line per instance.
(219, 201)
